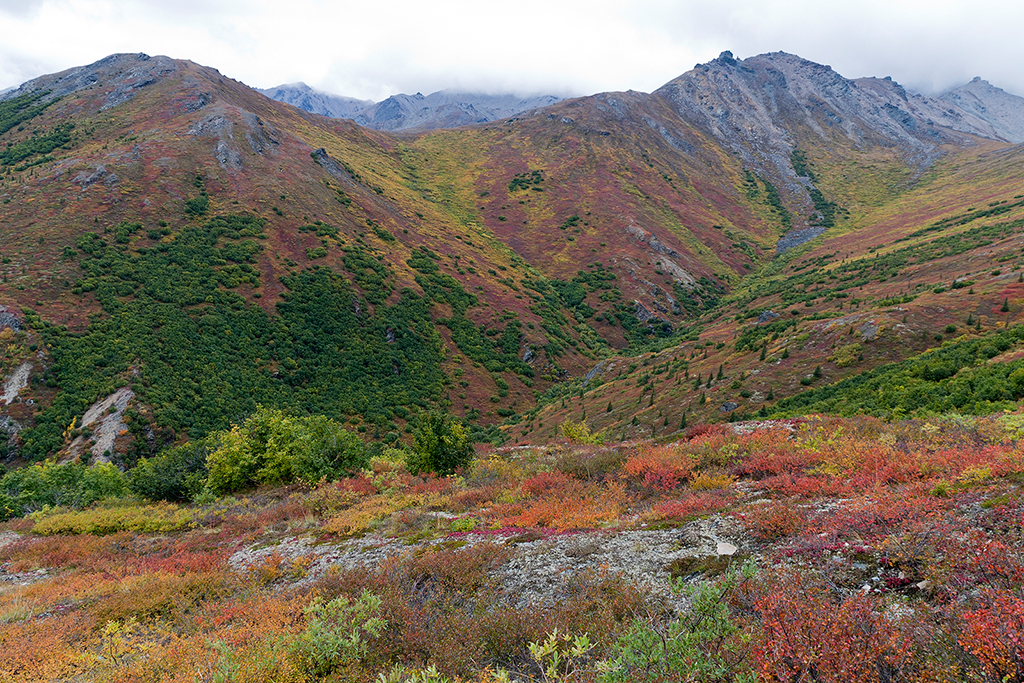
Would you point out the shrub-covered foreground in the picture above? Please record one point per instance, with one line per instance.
(864, 551)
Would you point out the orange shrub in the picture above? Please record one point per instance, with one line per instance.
(661, 468)
(573, 506)
(547, 483)
(993, 635)
(690, 505)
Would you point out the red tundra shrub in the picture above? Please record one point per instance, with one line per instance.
(995, 635)
(661, 468)
(807, 636)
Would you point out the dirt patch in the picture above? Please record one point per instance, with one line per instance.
(15, 383)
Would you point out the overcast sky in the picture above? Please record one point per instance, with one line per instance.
(569, 47)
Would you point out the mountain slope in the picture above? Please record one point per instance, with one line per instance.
(178, 235)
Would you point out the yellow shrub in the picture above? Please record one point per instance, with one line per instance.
(161, 517)
(579, 432)
(361, 517)
(709, 481)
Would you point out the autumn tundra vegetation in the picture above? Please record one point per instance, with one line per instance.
(849, 549)
(604, 392)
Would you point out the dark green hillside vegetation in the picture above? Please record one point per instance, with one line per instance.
(957, 377)
(176, 328)
(17, 110)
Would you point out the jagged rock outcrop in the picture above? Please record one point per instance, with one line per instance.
(126, 72)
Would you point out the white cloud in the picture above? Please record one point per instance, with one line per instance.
(371, 50)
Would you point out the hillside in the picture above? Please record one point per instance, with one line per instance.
(182, 249)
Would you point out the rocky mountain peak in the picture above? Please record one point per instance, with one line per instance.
(1001, 110)
(122, 74)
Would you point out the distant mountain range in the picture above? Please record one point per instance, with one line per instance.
(444, 109)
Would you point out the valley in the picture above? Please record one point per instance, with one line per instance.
(683, 385)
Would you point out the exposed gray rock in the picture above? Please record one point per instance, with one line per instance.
(728, 407)
(869, 330)
(9, 320)
(262, 138)
(765, 316)
(594, 372)
(14, 383)
(86, 179)
(641, 312)
(321, 157)
(8, 430)
(217, 125)
(126, 73)
(650, 239)
(794, 238)
(540, 571)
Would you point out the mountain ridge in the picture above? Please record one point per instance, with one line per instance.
(402, 112)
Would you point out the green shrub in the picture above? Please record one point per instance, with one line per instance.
(704, 645)
(48, 484)
(7, 507)
(178, 474)
(336, 633)
(271, 447)
(440, 444)
(197, 206)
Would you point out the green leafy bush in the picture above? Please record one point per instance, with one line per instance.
(336, 633)
(48, 484)
(178, 474)
(705, 645)
(271, 447)
(440, 444)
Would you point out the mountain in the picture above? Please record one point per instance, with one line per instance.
(1001, 110)
(180, 248)
(316, 101)
(444, 109)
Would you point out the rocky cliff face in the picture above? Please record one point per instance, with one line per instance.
(126, 72)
